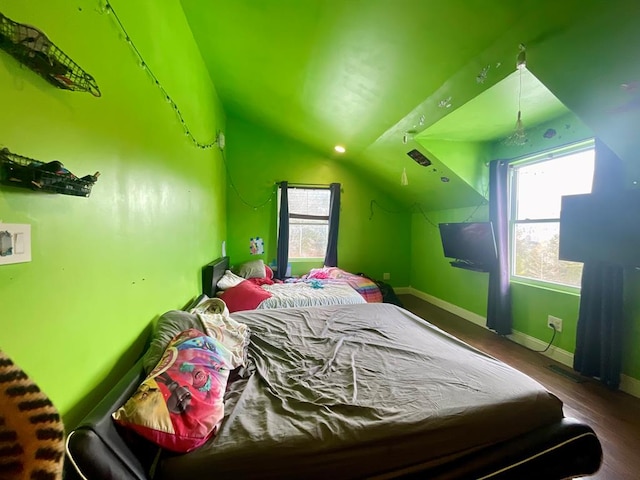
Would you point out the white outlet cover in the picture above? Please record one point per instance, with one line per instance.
(555, 321)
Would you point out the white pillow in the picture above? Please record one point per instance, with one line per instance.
(229, 280)
(253, 269)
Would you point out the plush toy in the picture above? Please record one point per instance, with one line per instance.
(31, 431)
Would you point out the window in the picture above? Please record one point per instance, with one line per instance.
(537, 187)
(308, 222)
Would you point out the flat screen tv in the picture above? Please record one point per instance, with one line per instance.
(601, 228)
(471, 245)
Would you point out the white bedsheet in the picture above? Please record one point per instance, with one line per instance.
(301, 294)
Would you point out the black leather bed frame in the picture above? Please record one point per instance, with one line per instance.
(98, 449)
(101, 451)
(211, 274)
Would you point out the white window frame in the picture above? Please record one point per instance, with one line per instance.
(292, 258)
(545, 156)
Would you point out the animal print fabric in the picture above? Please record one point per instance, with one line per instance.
(31, 431)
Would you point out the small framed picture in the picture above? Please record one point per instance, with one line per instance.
(256, 246)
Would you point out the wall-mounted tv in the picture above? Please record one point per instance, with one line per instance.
(601, 228)
(472, 245)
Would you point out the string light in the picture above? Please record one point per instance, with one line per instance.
(233, 187)
(107, 9)
(219, 140)
(416, 206)
(411, 209)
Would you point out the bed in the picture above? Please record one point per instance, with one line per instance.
(356, 391)
(325, 286)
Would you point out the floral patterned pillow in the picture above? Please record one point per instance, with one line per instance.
(180, 403)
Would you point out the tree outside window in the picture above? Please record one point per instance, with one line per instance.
(537, 187)
(308, 222)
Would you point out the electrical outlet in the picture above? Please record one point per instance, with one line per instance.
(386, 276)
(554, 322)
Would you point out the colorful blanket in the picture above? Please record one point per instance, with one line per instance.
(363, 285)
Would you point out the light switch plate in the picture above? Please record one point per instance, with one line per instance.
(15, 243)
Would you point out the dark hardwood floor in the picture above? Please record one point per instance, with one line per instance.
(614, 416)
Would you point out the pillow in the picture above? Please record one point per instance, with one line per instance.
(214, 315)
(325, 273)
(168, 326)
(228, 280)
(252, 269)
(268, 272)
(244, 296)
(179, 405)
(260, 281)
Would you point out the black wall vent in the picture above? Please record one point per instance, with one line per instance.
(419, 158)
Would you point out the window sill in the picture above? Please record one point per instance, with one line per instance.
(552, 287)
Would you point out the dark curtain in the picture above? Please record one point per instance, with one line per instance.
(331, 257)
(600, 320)
(499, 299)
(282, 258)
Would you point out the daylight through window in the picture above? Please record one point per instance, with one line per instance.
(537, 187)
(308, 222)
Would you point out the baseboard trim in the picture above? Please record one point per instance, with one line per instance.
(450, 307)
(402, 290)
(532, 343)
(628, 384)
(558, 354)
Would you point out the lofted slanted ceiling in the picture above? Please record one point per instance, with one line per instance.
(362, 73)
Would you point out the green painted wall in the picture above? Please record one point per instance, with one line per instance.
(257, 158)
(431, 272)
(589, 67)
(106, 266)
(531, 305)
(555, 133)
(466, 159)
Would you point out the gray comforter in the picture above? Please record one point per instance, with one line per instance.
(358, 390)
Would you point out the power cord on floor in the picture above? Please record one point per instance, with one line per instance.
(550, 341)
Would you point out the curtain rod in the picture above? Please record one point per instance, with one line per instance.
(306, 185)
(547, 154)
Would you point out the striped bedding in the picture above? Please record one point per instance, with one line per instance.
(334, 275)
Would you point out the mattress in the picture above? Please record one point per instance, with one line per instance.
(358, 390)
(285, 295)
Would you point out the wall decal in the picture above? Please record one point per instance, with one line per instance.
(446, 103)
(256, 246)
(482, 76)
